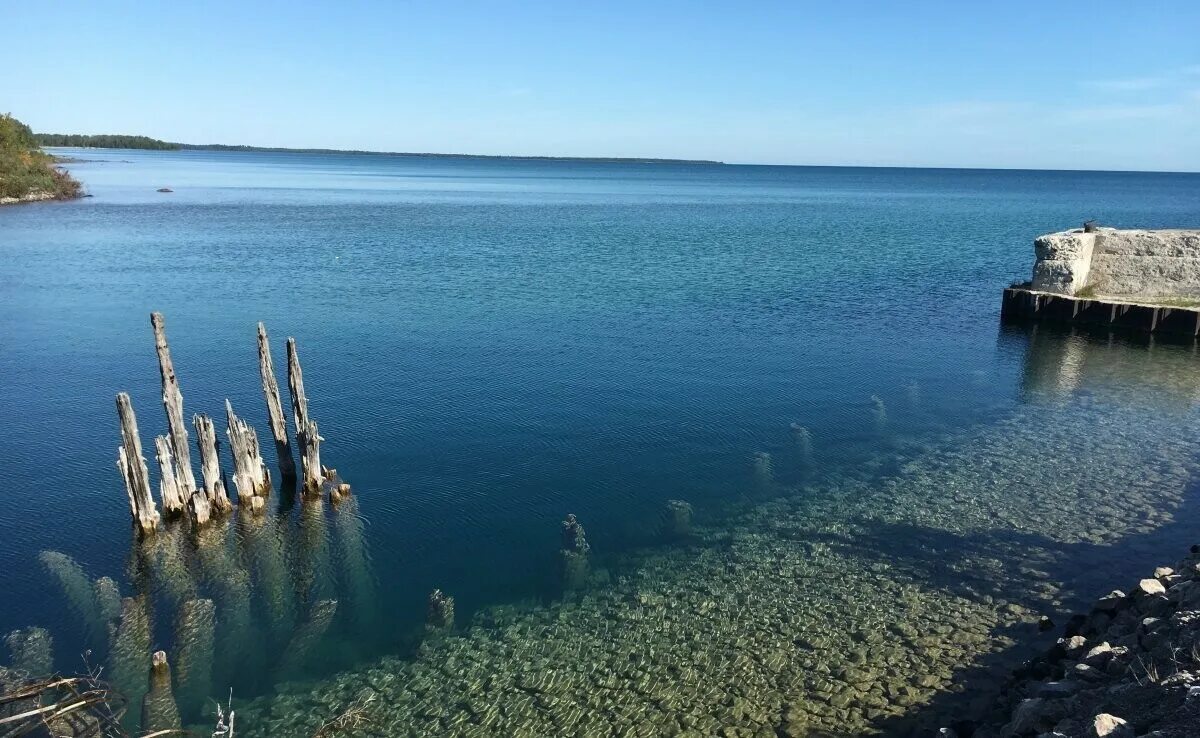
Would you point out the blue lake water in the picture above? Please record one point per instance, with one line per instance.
(489, 345)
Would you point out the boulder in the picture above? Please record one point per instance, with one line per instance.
(1109, 726)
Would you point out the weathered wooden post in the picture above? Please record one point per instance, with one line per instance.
(173, 500)
(159, 711)
(210, 464)
(173, 403)
(250, 474)
(677, 519)
(439, 615)
(307, 435)
(133, 468)
(574, 554)
(283, 446)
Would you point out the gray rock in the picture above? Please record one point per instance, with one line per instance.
(1111, 601)
(1109, 726)
(1148, 587)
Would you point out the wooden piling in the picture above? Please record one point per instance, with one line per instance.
(173, 500)
(133, 468)
(307, 435)
(173, 403)
(210, 464)
(250, 475)
(80, 594)
(159, 711)
(283, 446)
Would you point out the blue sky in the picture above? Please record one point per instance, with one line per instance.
(1079, 85)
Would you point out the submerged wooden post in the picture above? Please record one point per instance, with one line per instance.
(173, 500)
(133, 468)
(250, 474)
(159, 711)
(574, 554)
(439, 615)
(210, 465)
(173, 403)
(307, 435)
(283, 446)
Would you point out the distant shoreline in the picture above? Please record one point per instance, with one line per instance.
(57, 140)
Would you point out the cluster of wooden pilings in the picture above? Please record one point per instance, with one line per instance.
(181, 495)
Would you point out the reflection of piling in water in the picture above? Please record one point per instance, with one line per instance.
(210, 464)
(173, 500)
(129, 659)
(314, 574)
(266, 369)
(80, 594)
(173, 403)
(263, 550)
(166, 561)
(230, 585)
(574, 554)
(439, 615)
(359, 584)
(132, 465)
(194, 633)
(250, 475)
(676, 519)
(764, 471)
(31, 651)
(878, 413)
(159, 711)
(108, 604)
(802, 440)
(912, 391)
(307, 435)
(308, 635)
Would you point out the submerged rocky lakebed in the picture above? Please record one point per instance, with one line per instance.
(888, 601)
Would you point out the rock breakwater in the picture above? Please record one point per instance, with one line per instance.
(1130, 667)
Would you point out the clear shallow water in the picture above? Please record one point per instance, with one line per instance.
(490, 345)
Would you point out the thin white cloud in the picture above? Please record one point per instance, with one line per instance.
(1170, 78)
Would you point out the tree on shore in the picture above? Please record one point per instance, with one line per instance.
(26, 171)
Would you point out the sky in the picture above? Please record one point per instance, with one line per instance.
(1046, 85)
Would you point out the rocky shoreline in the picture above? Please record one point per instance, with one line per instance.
(1130, 667)
(31, 197)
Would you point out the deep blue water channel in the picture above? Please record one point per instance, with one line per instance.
(489, 345)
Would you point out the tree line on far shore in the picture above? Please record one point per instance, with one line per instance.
(104, 141)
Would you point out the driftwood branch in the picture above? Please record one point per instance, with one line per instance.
(283, 447)
(133, 468)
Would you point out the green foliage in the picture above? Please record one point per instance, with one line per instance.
(104, 141)
(25, 169)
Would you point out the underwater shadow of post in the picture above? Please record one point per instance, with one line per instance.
(937, 558)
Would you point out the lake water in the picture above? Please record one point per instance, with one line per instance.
(888, 487)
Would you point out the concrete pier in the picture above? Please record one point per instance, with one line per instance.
(1026, 304)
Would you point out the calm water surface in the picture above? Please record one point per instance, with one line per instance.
(489, 345)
